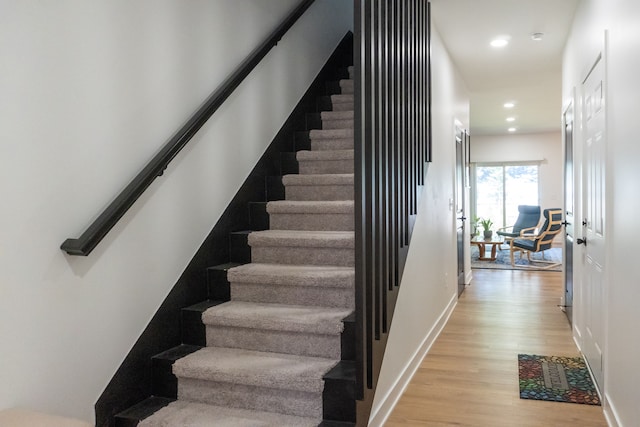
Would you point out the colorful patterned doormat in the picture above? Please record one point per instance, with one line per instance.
(558, 379)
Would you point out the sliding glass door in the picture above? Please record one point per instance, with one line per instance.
(500, 188)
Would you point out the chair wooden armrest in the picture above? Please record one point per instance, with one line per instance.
(528, 233)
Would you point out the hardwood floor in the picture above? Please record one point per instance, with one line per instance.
(470, 376)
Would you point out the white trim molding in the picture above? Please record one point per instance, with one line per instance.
(379, 416)
(610, 413)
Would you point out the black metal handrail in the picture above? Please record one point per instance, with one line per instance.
(155, 168)
(392, 144)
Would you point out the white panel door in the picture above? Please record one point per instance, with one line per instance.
(594, 218)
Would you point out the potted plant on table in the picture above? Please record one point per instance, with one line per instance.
(475, 224)
(486, 225)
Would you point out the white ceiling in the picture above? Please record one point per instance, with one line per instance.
(527, 72)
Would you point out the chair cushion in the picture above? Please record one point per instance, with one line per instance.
(525, 244)
(528, 217)
(507, 234)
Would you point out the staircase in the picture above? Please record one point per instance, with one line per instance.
(281, 351)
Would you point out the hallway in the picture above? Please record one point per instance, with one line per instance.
(470, 375)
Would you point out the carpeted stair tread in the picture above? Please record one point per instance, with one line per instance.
(332, 144)
(293, 275)
(327, 155)
(295, 238)
(325, 162)
(347, 86)
(318, 179)
(312, 215)
(342, 99)
(338, 124)
(301, 285)
(331, 134)
(311, 207)
(337, 115)
(194, 414)
(255, 368)
(277, 317)
(319, 186)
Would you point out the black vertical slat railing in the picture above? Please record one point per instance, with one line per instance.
(392, 134)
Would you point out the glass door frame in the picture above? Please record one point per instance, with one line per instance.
(474, 187)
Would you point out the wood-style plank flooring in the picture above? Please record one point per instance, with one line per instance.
(470, 375)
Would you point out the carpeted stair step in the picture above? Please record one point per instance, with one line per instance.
(237, 378)
(342, 102)
(334, 248)
(335, 215)
(193, 414)
(351, 71)
(290, 329)
(331, 139)
(316, 134)
(321, 286)
(318, 187)
(331, 144)
(324, 162)
(346, 86)
(337, 119)
(337, 115)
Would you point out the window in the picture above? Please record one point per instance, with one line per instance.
(500, 188)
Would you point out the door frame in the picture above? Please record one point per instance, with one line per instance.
(569, 152)
(461, 205)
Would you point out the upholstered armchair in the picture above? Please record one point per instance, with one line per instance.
(528, 218)
(529, 241)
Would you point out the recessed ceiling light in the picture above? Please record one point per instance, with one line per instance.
(537, 36)
(512, 129)
(509, 105)
(499, 42)
(511, 119)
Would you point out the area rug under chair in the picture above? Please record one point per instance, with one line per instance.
(503, 260)
(557, 379)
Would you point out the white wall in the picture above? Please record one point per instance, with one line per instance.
(622, 344)
(543, 147)
(429, 283)
(89, 92)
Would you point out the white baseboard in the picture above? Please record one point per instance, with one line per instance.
(380, 414)
(468, 277)
(610, 413)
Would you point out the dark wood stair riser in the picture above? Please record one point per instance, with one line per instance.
(165, 384)
(333, 88)
(217, 284)
(132, 416)
(314, 121)
(193, 330)
(339, 395)
(239, 249)
(348, 338)
(258, 216)
(328, 423)
(324, 103)
(275, 188)
(288, 163)
(301, 140)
